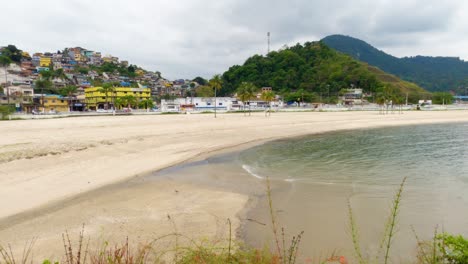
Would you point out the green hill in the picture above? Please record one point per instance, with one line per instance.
(431, 73)
(316, 70)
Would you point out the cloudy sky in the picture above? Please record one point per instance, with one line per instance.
(189, 38)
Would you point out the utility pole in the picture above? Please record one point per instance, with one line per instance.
(268, 35)
(215, 102)
(7, 86)
(406, 98)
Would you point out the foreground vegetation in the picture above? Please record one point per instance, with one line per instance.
(6, 111)
(442, 249)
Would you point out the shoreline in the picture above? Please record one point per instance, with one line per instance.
(341, 122)
(221, 150)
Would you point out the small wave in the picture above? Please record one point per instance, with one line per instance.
(309, 181)
(249, 170)
(291, 180)
(323, 183)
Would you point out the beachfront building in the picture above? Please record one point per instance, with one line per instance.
(96, 99)
(172, 106)
(77, 103)
(51, 103)
(198, 104)
(353, 97)
(188, 104)
(21, 97)
(425, 102)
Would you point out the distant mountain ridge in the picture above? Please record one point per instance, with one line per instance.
(431, 73)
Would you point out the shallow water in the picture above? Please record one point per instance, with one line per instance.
(315, 177)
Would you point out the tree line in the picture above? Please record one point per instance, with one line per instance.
(313, 72)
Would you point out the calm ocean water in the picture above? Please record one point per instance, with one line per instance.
(315, 177)
(430, 156)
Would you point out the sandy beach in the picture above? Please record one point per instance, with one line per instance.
(52, 171)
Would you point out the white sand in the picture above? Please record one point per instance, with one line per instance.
(43, 162)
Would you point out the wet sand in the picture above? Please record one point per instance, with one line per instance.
(52, 172)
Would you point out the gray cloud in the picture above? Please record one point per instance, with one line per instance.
(187, 38)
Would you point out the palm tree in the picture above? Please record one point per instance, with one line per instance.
(398, 100)
(129, 100)
(245, 92)
(147, 103)
(216, 83)
(118, 103)
(192, 87)
(43, 83)
(5, 62)
(69, 90)
(268, 97)
(381, 101)
(106, 89)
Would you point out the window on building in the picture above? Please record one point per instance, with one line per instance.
(61, 101)
(103, 98)
(53, 101)
(208, 103)
(196, 103)
(220, 104)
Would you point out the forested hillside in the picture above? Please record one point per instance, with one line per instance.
(431, 73)
(316, 70)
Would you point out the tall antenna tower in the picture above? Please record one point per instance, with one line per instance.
(268, 35)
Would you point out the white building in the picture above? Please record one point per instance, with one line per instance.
(19, 90)
(425, 102)
(208, 104)
(198, 104)
(353, 97)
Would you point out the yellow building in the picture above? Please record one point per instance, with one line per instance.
(77, 56)
(107, 59)
(140, 72)
(45, 61)
(26, 55)
(96, 99)
(54, 103)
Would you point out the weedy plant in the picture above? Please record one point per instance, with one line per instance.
(383, 254)
(428, 252)
(454, 249)
(287, 252)
(442, 249)
(121, 254)
(75, 257)
(8, 257)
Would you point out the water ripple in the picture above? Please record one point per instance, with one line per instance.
(427, 155)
